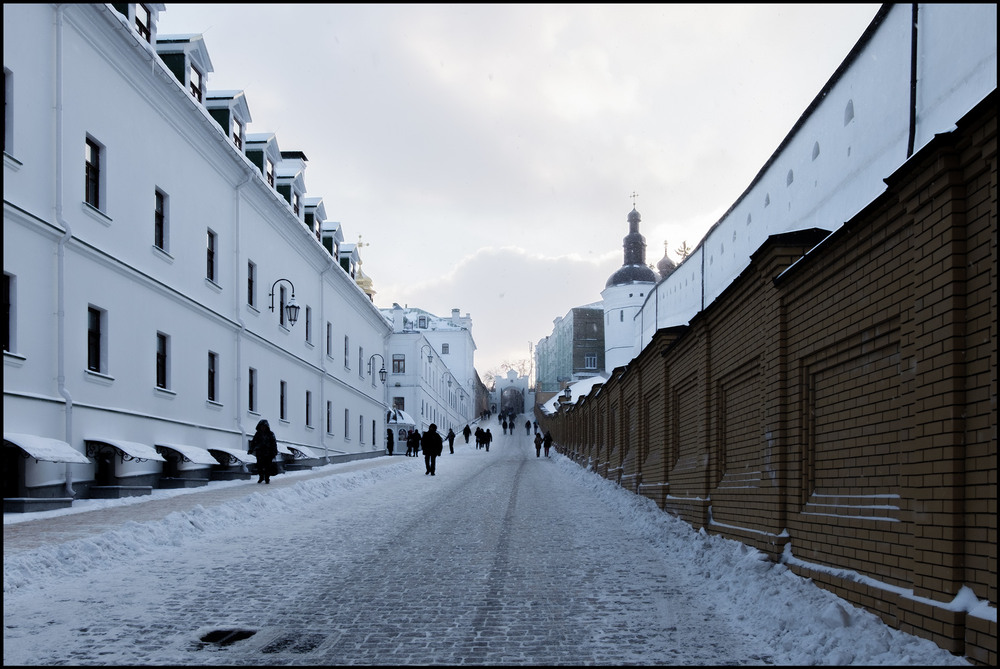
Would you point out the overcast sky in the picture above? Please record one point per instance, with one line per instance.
(486, 154)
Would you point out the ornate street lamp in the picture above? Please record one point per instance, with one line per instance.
(292, 308)
(381, 372)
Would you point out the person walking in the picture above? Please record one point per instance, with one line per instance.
(487, 438)
(466, 432)
(265, 448)
(547, 442)
(504, 425)
(451, 440)
(538, 444)
(413, 442)
(389, 440)
(432, 445)
(527, 427)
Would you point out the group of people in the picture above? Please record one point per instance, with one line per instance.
(264, 445)
(541, 441)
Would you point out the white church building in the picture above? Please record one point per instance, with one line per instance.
(168, 282)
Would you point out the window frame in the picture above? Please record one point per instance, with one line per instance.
(195, 82)
(309, 408)
(252, 390)
(162, 376)
(251, 283)
(145, 30)
(10, 322)
(399, 363)
(94, 160)
(283, 400)
(213, 377)
(161, 220)
(211, 256)
(97, 359)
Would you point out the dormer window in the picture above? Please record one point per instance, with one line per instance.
(295, 203)
(143, 22)
(269, 172)
(196, 83)
(238, 131)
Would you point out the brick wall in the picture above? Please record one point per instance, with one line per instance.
(838, 400)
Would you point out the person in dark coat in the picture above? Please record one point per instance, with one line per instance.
(487, 438)
(538, 444)
(265, 447)
(547, 442)
(413, 443)
(432, 445)
(451, 440)
(466, 432)
(527, 427)
(389, 440)
(479, 437)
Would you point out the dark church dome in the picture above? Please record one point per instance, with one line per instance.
(666, 266)
(631, 274)
(634, 244)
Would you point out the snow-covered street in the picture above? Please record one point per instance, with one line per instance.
(501, 558)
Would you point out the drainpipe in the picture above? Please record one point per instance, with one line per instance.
(61, 253)
(322, 320)
(238, 311)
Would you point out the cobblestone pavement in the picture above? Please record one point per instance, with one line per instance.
(479, 564)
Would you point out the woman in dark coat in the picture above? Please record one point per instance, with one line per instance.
(265, 447)
(389, 440)
(433, 445)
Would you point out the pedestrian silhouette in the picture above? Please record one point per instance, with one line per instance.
(538, 444)
(547, 442)
(432, 445)
(527, 427)
(451, 440)
(487, 438)
(389, 440)
(466, 432)
(265, 448)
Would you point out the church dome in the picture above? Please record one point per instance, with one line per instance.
(634, 268)
(666, 266)
(631, 274)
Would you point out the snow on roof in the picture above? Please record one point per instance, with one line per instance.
(45, 448)
(195, 454)
(577, 390)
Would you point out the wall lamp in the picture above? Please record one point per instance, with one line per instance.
(292, 308)
(381, 372)
(430, 356)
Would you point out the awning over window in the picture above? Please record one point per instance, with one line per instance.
(45, 448)
(195, 454)
(299, 451)
(132, 449)
(283, 448)
(240, 456)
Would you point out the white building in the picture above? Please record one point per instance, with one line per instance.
(430, 367)
(151, 246)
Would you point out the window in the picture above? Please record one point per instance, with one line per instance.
(347, 352)
(269, 172)
(282, 293)
(8, 330)
(347, 424)
(282, 414)
(8, 116)
(590, 362)
(422, 322)
(162, 360)
(361, 429)
(210, 259)
(251, 283)
(309, 324)
(444, 349)
(252, 391)
(295, 203)
(398, 363)
(309, 416)
(92, 195)
(361, 362)
(238, 132)
(329, 417)
(399, 403)
(329, 339)
(213, 376)
(160, 220)
(196, 83)
(96, 340)
(142, 22)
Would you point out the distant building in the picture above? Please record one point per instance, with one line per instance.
(430, 367)
(574, 350)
